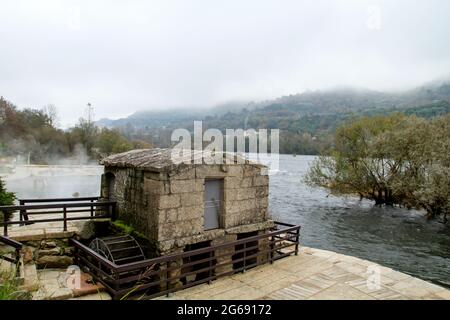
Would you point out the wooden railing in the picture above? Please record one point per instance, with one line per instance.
(170, 273)
(59, 206)
(17, 247)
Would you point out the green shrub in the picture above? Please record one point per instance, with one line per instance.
(6, 198)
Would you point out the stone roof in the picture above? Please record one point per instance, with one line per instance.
(158, 159)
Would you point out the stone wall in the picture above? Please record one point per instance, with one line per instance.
(168, 207)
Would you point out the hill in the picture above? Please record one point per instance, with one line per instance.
(306, 120)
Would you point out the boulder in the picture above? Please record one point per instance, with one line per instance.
(27, 253)
(48, 244)
(54, 262)
(87, 231)
(49, 252)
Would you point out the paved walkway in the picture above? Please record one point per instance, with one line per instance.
(317, 274)
(59, 284)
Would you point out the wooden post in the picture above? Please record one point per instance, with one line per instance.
(167, 279)
(113, 211)
(210, 266)
(17, 261)
(5, 226)
(76, 257)
(65, 217)
(245, 256)
(23, 213)
(271, 248)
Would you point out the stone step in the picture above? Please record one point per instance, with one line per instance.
(31, 281)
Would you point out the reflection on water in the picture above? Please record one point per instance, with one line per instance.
(394, 237)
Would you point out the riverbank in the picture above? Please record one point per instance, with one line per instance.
(317, 275)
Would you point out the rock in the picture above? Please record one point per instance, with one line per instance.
(35, 244)
(28, 254)
(87, 231)
(48, 244)
(87, 286)
(49, 252)
(53, 293)
(54, 262)
(68, 251)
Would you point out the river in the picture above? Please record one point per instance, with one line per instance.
(394, 237)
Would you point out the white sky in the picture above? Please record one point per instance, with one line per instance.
(124, 56)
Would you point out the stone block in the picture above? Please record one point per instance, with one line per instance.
(232, 183)
(246, 182)
(171, 215)
(155, 186)
(262, 203)
(251, 170)
(211, 171)
(192, 199)
(174, 230)
(239, 206)
(234, 170)
(186, 186)
(262, 192)
(259, 181)
(54, 262)
(166, 245)
(183, 174)
(189, 213)
(49, 252)
(169, 201)
(156, 175)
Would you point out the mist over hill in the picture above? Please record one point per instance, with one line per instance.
(306, 120)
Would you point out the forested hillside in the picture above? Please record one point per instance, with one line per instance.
(307, 121)
(32, 135)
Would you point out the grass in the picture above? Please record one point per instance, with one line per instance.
(127, 229)
(8, 286)
(122, 226)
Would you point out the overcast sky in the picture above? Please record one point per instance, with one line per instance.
(124, 56)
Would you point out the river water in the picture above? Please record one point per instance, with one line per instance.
(398, 238)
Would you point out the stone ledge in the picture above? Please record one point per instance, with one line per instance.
(251, 227)
(38, 235)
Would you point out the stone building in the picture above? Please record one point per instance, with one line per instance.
(187, 206)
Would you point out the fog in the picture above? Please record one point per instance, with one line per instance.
(134, 55)
(59, 181)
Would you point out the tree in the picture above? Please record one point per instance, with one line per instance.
(6, 198)
(359, 163)
(111, 141)
(85, 132)
(426, 177)
(392, 159)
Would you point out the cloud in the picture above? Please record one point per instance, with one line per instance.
(126, 56)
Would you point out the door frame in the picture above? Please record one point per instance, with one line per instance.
(222, 201)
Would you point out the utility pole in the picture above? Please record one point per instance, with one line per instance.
(90, 112)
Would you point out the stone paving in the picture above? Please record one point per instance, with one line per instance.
(58, 284)
(317, 275)
(48, 230)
